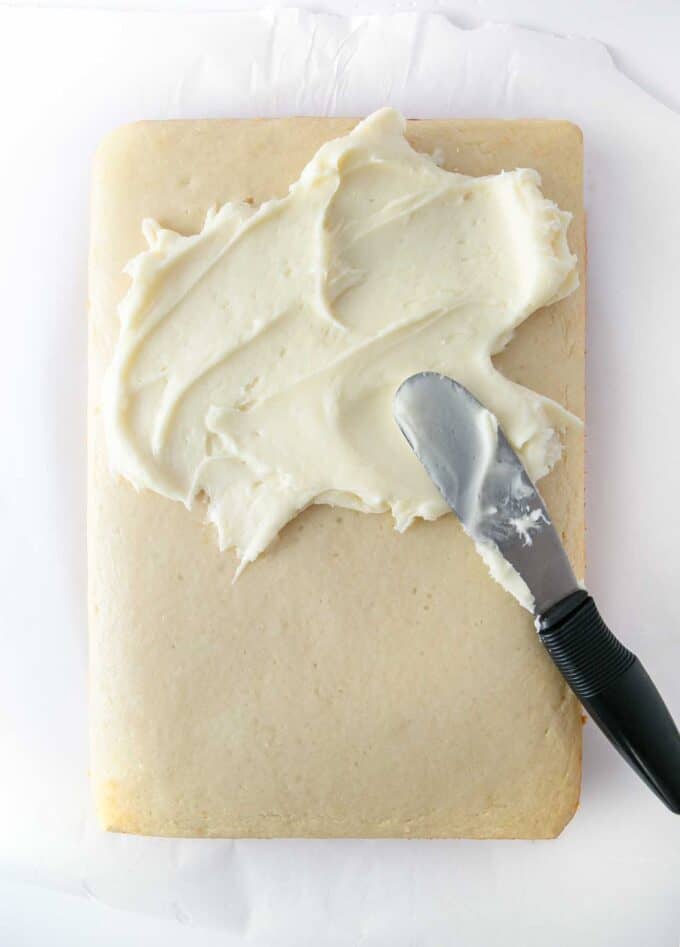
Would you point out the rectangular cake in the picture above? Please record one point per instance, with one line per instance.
(353, 682)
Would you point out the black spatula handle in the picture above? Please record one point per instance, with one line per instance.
(616, 691)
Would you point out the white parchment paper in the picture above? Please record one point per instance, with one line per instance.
(69, 76)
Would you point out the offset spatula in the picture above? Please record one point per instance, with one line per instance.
(479, 475)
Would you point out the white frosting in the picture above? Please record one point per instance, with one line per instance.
(257, 360)
(525, 524)
(499, 568)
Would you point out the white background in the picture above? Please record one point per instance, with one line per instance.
(641, 907)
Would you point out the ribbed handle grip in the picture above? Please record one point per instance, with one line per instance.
(617, 692)
(589, 656)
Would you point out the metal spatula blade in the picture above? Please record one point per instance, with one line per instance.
(468, 457)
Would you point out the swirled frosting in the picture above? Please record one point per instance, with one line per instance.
(257, 360)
